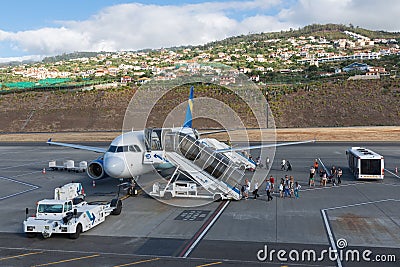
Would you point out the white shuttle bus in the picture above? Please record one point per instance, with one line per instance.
(365, 163)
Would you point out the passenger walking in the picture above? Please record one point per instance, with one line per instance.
(283, 164)
(258, 163)
(339, 175)
(268, 189)
(297, 189)
(312, 175)
(321, 174)
(255, 192)
(333, 175)
(272, 180)
(281, 187)
(286, 187)
(288, 165)
(246, 188)
(267, 161)
(316, 165)
(291, 186)
(324, 179)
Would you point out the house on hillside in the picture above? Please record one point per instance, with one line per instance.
(356, 66)
(126, 79)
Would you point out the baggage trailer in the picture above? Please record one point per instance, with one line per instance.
(68, 213)
(68, 165)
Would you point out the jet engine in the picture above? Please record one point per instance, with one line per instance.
(95, 169)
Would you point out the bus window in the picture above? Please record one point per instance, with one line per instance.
(371, 166)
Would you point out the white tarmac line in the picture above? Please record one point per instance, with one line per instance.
(32, 187)
(395, 175)
(200, 237)
(330, 236)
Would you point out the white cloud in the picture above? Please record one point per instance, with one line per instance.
(22, 58)
(375, 15)
(137, 26)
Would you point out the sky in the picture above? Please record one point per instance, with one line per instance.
(35, 29)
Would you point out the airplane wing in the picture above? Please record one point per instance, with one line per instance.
(231, 149)
(89, 148)
(214, 132)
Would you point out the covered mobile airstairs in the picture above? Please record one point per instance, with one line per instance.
(199, 170)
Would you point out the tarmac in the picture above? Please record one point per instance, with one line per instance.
(357, 216)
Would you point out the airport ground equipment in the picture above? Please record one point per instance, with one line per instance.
(208, 174)
(365, 163)
(68, 213)
(68, 165)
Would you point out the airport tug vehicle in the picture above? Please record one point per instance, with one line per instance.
(68, 213)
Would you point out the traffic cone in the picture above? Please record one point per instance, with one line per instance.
(94, 184)
(44, 171)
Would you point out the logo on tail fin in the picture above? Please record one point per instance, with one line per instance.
(189, 109)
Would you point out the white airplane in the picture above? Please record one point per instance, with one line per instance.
(135, 153)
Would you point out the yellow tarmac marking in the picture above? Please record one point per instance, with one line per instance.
(209, 264)
(124, 197)
(74, 259)
(22, 255)
(137, 262)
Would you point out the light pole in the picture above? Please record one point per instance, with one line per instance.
(266, 96)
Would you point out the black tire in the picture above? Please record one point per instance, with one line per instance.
(117, 203)
(77, 233)
(217, 197)
(31, 235)
(168, 195)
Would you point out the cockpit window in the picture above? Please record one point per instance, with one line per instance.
(112, 149)
(130, 148)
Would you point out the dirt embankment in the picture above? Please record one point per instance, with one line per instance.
(357, 134)
(324, 112)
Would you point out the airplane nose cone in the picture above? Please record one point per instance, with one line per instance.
(114, 166)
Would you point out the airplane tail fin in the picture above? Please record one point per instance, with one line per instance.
(189, 109)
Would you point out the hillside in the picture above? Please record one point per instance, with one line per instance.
(342, 103)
